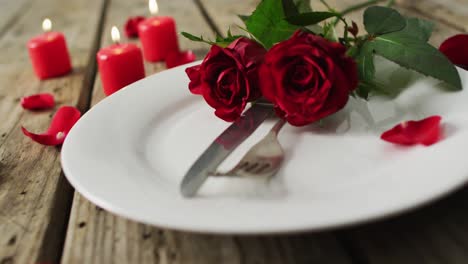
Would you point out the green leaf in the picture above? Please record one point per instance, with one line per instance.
(380, 20)
(267, 23)
(418, 28)
(220, 41)
(192, 37)
(365, 63)
(364, 89)
(310, 18)
(412, 53)
(225, 41)
(364, 56)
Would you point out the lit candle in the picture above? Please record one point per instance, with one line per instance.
(49, 53)
(157, 35)
(119, 64)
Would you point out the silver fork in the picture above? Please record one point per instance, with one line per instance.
(264, 159)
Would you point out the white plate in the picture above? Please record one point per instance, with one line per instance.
(129, 153)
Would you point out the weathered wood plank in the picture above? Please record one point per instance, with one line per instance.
(10, 11)
(441, 31)
(101, 237)
(34, 197)
(224, 13)
(437, 233)
(451, 12)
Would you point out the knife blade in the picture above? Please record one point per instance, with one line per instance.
(223, 145)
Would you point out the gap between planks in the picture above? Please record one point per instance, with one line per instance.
(83, 104)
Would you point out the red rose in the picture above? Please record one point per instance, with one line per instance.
(228, 77)
(131, 26)
(307, 78)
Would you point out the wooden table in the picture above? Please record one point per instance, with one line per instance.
(42, 219)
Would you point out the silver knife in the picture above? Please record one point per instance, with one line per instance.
(223, 145)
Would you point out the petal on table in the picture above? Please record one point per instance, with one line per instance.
(456, 50)
(61, 124)
(426, 132)
(131, 26)
(175, 59)
(38, 101)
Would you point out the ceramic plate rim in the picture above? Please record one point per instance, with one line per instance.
(81, 187)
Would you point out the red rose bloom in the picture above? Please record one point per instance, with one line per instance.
(307, 78)
(228, 77)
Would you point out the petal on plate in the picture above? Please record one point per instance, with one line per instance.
(38, 101)
(175, 59)
(456, 50)
(426, 132)
(62, 122)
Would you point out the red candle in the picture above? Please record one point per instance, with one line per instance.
(119, 65)
(157, 35)
(49, 53)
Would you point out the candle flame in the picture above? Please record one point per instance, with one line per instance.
(115, 34)
(46, 25)
(153, 7)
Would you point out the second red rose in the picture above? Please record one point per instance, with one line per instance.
(307, 78)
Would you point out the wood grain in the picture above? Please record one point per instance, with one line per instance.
(453, 13)
(34, 197)
(10, 12)
(408, 8)
(436, 233)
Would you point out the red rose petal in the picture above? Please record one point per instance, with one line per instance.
(38, 101)
(175, 59)
(195, 79)
(426, 132)
(62, 122)
(456, 50)
(131, 26)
